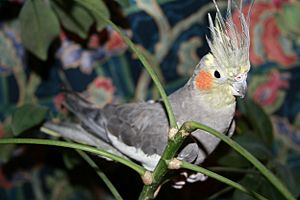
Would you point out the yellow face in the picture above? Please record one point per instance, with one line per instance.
(218, 84)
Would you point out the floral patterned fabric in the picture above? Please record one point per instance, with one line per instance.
(171, 33)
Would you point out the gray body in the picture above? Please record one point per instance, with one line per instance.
(144, 126)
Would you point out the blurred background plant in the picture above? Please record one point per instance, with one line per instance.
(76, 50)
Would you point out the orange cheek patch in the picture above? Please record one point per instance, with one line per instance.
(204, 80)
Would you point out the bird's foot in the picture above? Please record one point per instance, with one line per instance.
(180, 181)
(196, 177)
(178, 185)
(190, 178)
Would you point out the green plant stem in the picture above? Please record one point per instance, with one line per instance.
(89, 5)
(162, 166)
(220, 178)
(267, 173)
(232, 170)
(104, 178)
(140, 170)
(99, 172)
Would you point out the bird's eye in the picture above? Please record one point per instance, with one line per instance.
(217, 74)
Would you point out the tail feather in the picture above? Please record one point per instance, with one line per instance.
(91, 117)
(77, 104)
(76, 133)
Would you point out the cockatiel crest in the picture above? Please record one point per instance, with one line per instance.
(139, 130)
(228, 45)
(225, 68)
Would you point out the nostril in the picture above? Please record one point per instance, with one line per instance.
(239, 77)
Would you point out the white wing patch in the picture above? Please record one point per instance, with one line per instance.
(148, 161)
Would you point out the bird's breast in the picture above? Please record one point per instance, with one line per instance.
(191, 108)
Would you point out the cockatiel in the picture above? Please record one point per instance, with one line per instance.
(140, 130)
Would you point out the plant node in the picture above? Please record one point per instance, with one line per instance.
(147, 178)
(172, 133)
(174, 164)
(184, 133)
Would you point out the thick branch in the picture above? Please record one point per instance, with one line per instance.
(162, 167)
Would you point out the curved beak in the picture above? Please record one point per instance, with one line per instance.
(239, 86)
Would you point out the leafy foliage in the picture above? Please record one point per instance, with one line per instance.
(73, 17)
(255, 134)
(40, 22)
(101, 9)
(123, 3)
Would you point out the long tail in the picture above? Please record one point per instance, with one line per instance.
(76, 133)
(92, 118)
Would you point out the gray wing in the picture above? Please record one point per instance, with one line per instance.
(91, 117)
(142, 125)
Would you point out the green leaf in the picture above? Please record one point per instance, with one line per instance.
(250, 182)
(123, 3)
(73, 17)
(241, 126)
(39, 27)
(233, 159)
(269, 191)
(26, 117)
(258, 184)
(288, 16)
(290, 177)
(101, 9)
(254, 145)
(259, 120)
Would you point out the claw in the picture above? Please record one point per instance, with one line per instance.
(179, 184)
(196, 177)
(185, 174)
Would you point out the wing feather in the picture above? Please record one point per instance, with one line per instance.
(143, 125)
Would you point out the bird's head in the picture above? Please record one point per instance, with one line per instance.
(222, 73)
